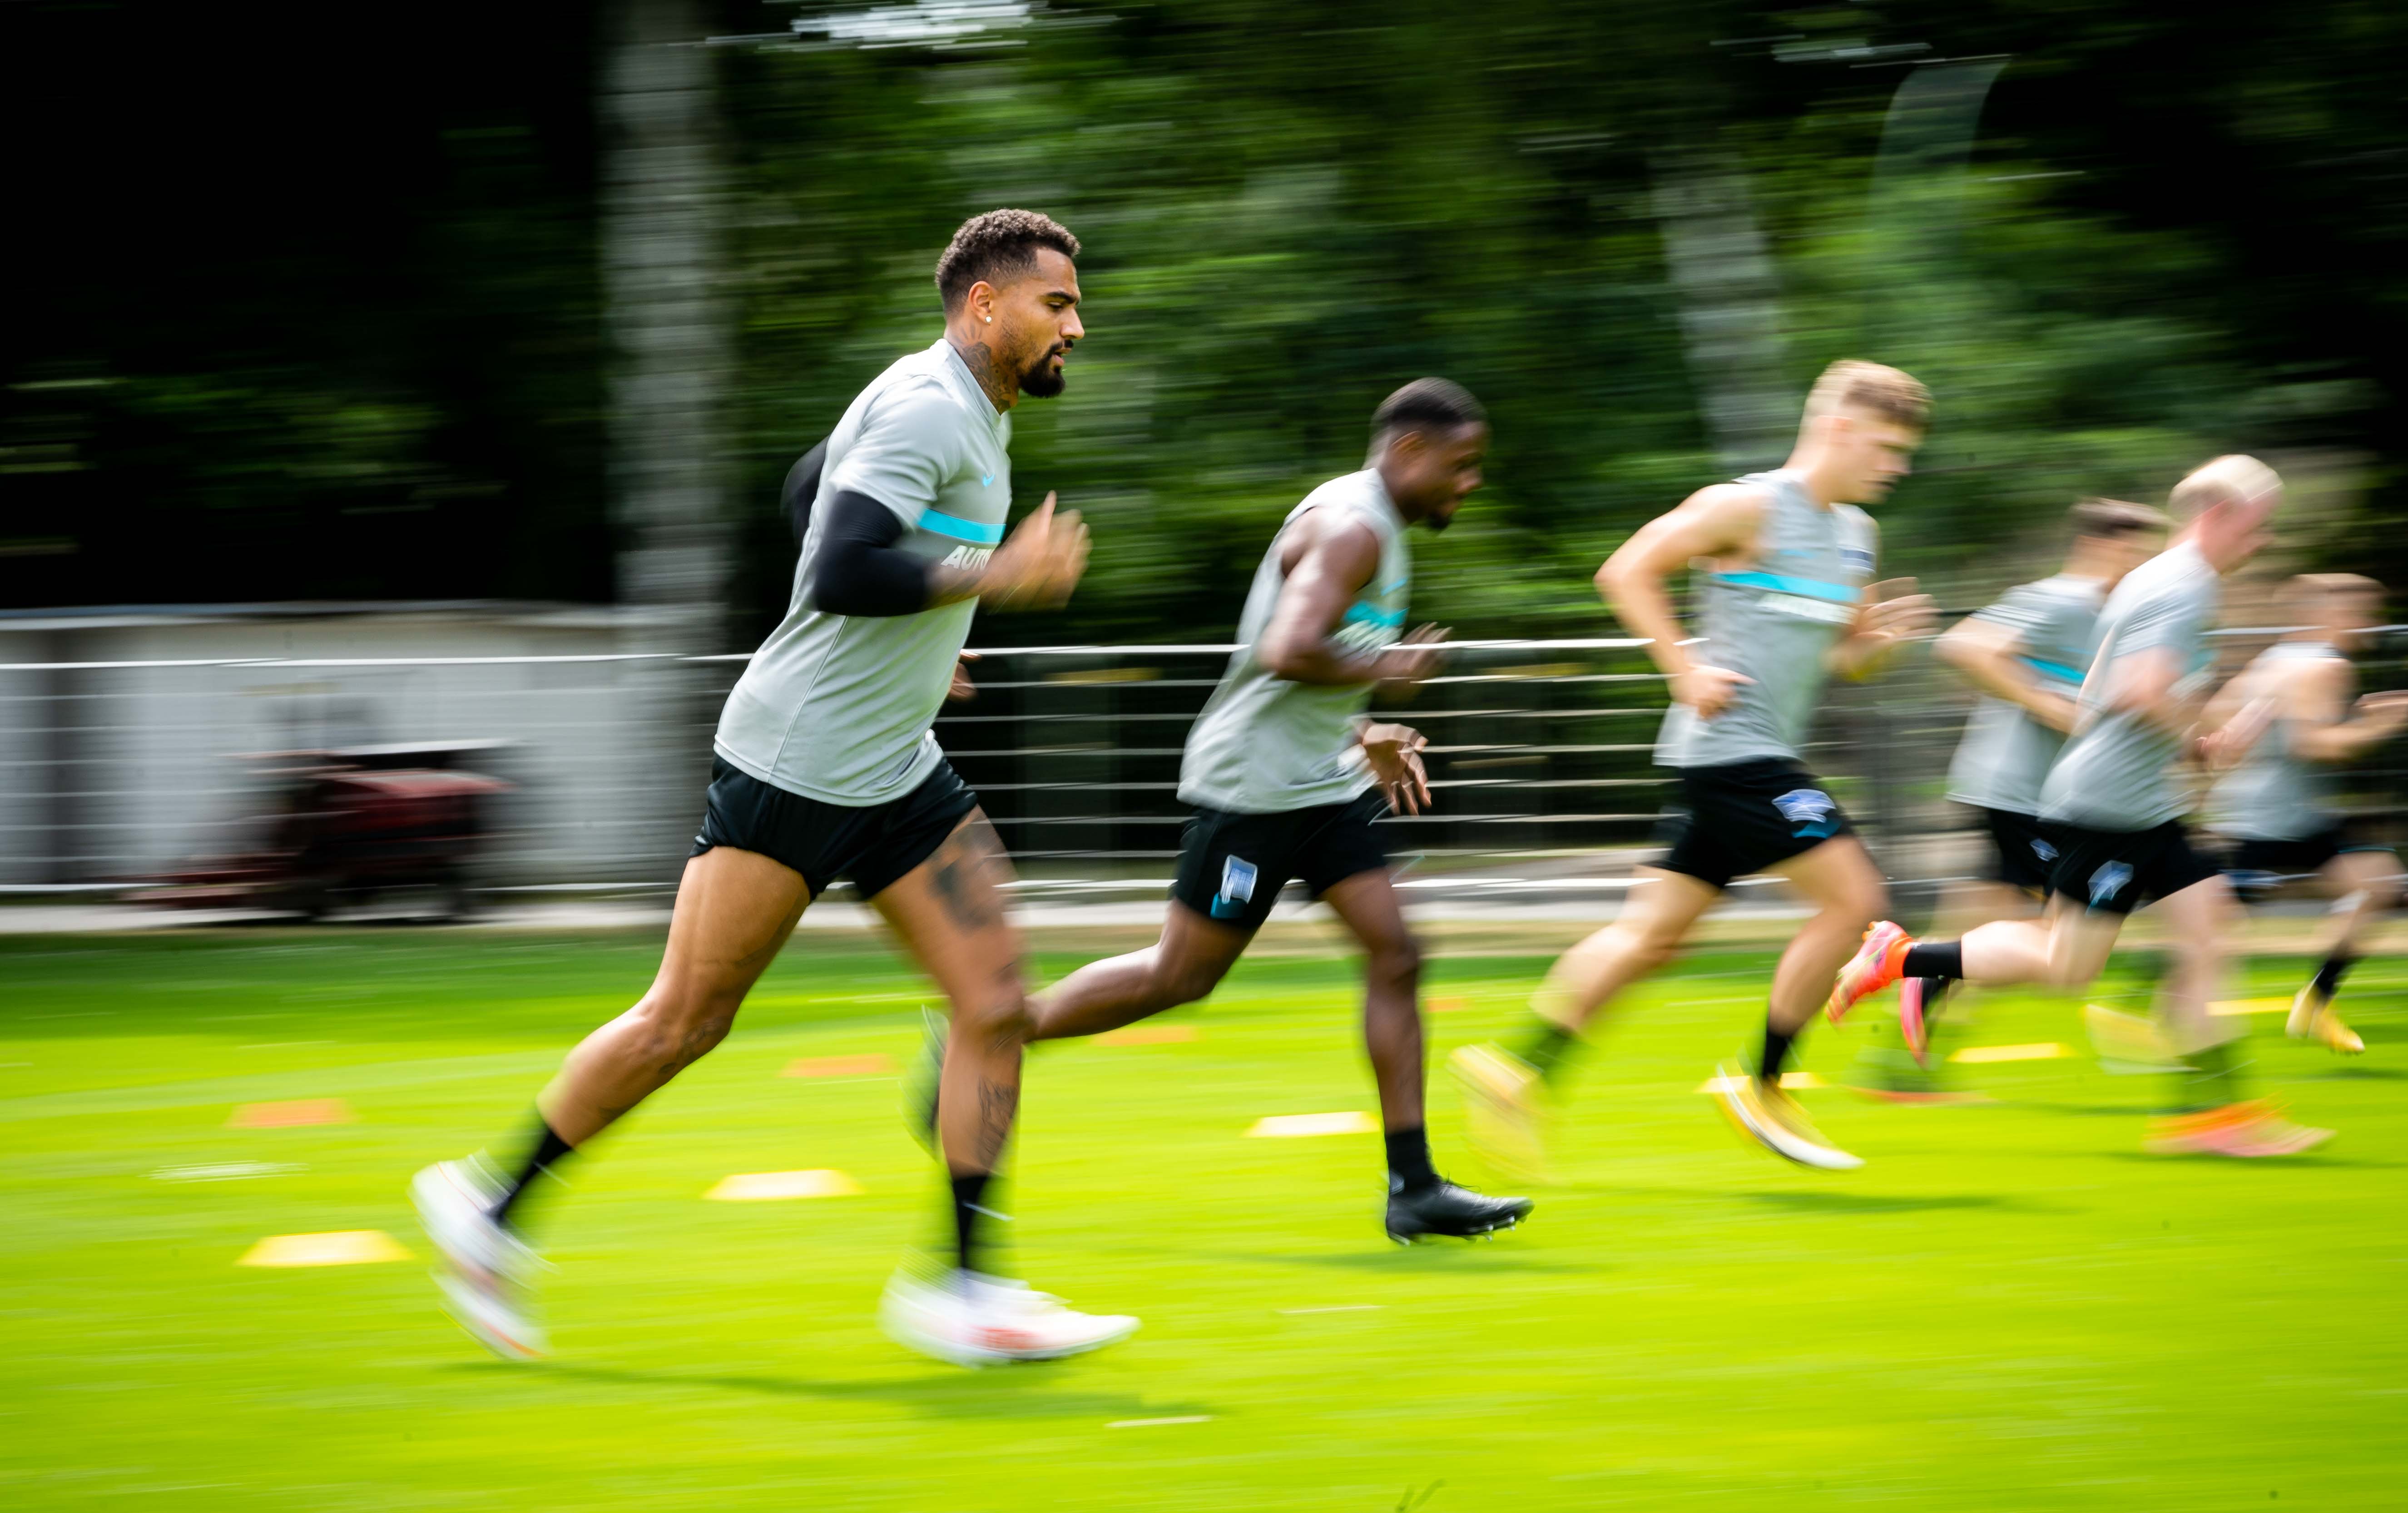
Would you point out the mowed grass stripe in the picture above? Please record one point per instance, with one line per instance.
(2022, 1310)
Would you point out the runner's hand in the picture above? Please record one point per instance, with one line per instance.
(963, 690)
(2386, 711)
(1707, 690)
(1899, 619)
(1404, 665)
(1395, 752)
(1039, 564)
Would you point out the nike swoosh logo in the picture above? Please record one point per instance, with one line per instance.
(986, 480)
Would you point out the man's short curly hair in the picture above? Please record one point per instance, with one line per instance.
(1428, 404)
(995, 247)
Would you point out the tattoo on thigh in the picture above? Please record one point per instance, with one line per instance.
(959, 877)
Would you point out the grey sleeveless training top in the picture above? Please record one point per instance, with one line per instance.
(1772, 623)
(2005, 753)
(2272, 792)
(1265, 745)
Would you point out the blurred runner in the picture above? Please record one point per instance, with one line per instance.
(2278, 728)
(2115, 815)
(1787, 557)
(1289, 778)
(825, 768)
(2028, 653)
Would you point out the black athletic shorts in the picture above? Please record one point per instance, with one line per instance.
(2026, 857)
(1232, 867)
(2258, 867)
(2120, 870)
(1743, 817)
(873, 845)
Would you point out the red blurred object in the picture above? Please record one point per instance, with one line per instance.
(349, 824)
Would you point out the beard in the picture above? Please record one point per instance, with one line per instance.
(1040, 380)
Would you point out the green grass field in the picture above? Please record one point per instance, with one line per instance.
(2008, 1308)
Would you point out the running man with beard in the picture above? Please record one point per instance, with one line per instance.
(1784, 560)
(825, 768)
(2280, 726)
(1289, 778)
(2115, 815)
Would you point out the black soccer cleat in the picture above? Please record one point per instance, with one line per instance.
(1456, 1212)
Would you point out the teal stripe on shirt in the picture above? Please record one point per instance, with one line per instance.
(959, 529)
(1363, 614)
(2054, 669)
(1805, 588)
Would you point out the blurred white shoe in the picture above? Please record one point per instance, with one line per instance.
(488, 1273)
(972, 1320)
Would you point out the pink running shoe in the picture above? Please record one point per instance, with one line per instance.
(2245, 1130)
(1911, 1025)
(1877, 964)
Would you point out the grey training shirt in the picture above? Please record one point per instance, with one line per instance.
(1265, 745)
(2113, 773)
(2006, 753)
(1773, 623)
(2274, 793)
(838, 707)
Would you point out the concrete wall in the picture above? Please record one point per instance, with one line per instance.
(114, 772)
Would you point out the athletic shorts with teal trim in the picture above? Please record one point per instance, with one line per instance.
(1232, 865)
(1741, 817)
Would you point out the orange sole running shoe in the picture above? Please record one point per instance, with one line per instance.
(1876, 965)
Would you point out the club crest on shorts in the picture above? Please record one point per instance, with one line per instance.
(2108, 881)
(2043, 849)
(1809, 811)
(1237, 887)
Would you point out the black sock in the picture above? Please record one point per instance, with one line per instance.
(1935, 998)
(1548, 1045)
(1409, 1160)
(1935, 959)
(1776, 1053)
(2328, 976)
(549, 1149)
(969, 1194)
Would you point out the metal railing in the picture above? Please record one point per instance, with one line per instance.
(1540, 759)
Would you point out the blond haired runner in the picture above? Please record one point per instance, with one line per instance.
(2028, 653)
(1784, 560)
(2277, 729)
(2117, 819)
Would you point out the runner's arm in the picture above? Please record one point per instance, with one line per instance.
(1716, 521)
(2148, 685)
(2325, 728)
(1301, 643)
(861, 570)
(1986, 652)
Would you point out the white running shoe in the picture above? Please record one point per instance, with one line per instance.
(488, 1273)
(973, 1320)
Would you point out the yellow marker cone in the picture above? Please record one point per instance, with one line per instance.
(339, 1248)
(2231, 1007)
(1148, 1034)
(1296, 1126)
(770, 1187)
(1793, 1082)
(2048, 1051)
(290, 1115)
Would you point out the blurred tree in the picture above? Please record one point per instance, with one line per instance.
(322, 313)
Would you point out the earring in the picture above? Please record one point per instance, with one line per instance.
(990, 320)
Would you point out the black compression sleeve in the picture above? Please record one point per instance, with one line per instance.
(803, 486)
(858, 571)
